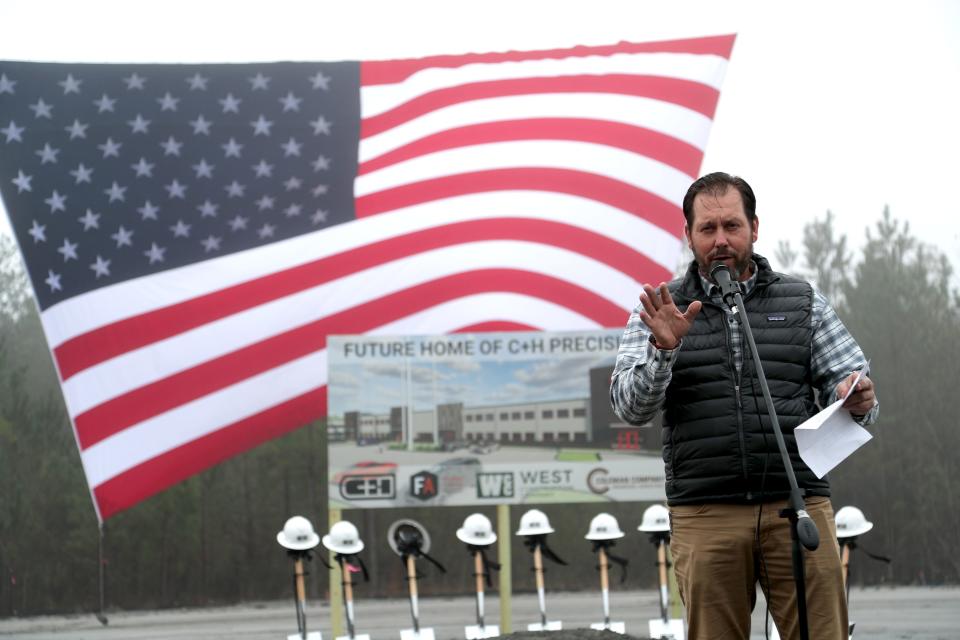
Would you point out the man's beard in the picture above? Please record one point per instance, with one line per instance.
(741, 262)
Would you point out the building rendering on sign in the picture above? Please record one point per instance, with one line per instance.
(577, 421)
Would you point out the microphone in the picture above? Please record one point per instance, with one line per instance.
(727, 281)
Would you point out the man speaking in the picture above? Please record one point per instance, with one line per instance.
(684, 351)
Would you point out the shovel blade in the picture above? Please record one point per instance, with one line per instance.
(672, 629)
(425, 633)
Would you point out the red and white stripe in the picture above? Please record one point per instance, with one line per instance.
(495, 192)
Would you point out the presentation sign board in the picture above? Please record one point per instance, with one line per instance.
(484, 418)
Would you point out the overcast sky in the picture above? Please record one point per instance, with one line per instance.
(846, 106)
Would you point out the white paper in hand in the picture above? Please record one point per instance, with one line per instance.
(828, 438)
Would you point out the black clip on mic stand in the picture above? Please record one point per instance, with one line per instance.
(803, 530)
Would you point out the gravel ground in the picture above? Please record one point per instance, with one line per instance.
(905, 613)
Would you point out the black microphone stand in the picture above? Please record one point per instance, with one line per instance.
(803, 530)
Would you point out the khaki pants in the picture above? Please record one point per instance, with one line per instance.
(718, 565)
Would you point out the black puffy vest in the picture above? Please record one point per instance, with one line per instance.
(717, 435)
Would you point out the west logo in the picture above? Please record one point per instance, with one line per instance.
(495, 485)
(424, 485)
(373, 487)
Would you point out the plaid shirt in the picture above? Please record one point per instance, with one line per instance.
(643, 372)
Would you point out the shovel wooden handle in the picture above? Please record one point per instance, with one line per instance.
(845, 561)
(298, 572)
(478, 570)
(347, 582)
(412, 576)
(538, 567)
(604, 567)
(662, 563)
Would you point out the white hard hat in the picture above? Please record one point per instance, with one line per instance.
(656, 519)
(477, 530)
(604, 527)
(343, 538)
(298, 534)
(534, 522)
(850, 522)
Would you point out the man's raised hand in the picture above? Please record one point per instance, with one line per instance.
(661, 315)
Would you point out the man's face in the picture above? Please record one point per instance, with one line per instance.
(722, 232)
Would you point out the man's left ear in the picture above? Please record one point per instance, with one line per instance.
(756, 227)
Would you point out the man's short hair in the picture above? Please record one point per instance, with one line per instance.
(716, 184)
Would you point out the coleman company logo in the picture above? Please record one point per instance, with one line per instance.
(600, 481)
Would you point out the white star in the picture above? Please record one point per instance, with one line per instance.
(57, 202)
(53, 281)
(77, 130)
(320, 81)
(238, 222)
(168, 102)
(155, 253)
(70, 85)
(320, 125)
(196, 81)
(48, 154)
(319, 190)
(171, 147)
(293, 211)
(292, 184)
(266, 202)
(234, 189)
(259, 81)
(230, 103)
(203, 169)
(105, 103)
(322, 163)
(22, 181)
(41, 109)
(291, 148)
(263, 169)
(90, 220)
(6, 85)
(180, 230)
(110, 148)
(143, 168)
(37, 231)
(266, 231)
(123, 237)
(101, 267)
(208, 209)
(115, 192)
(200, 125)
(69, 250)
(291, 102)
(148, 211)
(81, 174)
(319, 216)
(175, 189)
(231, 148)
(261, 125)
(135, 81)
(138, 124)
(211, 243)
(13, 132)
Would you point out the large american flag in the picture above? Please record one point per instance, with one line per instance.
(194, 233)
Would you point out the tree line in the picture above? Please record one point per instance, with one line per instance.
(212, 538)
